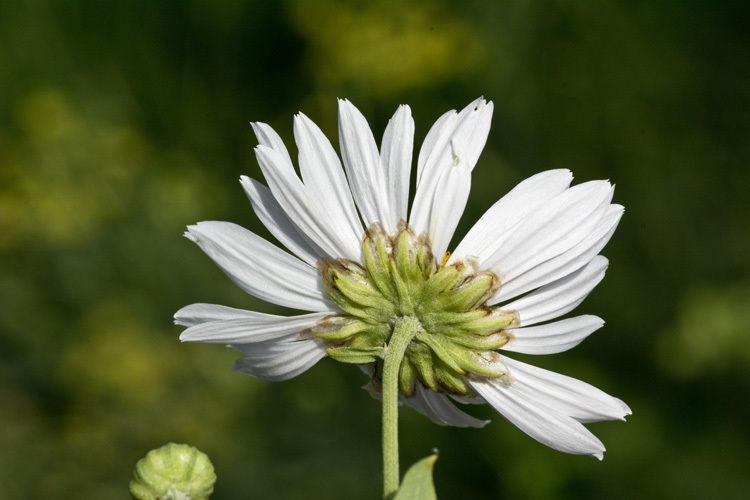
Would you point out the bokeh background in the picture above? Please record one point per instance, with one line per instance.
(121, 122)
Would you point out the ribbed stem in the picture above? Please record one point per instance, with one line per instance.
(404, 330)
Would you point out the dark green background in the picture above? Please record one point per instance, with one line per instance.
(123, 121)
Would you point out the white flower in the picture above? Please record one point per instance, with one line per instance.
(357, 265)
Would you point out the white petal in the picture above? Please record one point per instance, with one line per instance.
(470, 128)
(560, 296)
(395, 157)
(246, 330)
(469, 400)
(324, 178)
(279, 360)
(439, 409)
(333, 239)
(541, 422)
(474, 129)
(268, 137)
(450, 200)
(564, 263)
(557, 226)
(564, 394)
(196, 314)
(552, 338)
(277, 222)
(489, 232)
(439, 134)
(362, 162)
(260, 268)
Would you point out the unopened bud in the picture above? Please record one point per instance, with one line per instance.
(173, 472)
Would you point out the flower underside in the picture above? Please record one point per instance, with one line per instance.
(401, 279)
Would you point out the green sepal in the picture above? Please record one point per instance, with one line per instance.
(434, 320)
(483, 321)
(417, 483)
(489, 323)
(449, 381)
(439, 282)
(350, 288)
(467, 295)
(373, 336)
(407, 378)
(336, 328)
(403, 290)
(405, 259)
(356, 355)
(440, 350)
(473, 362)
(377, 262)
(422, 360)
(425, 259)
(479, 342)
(356, 287)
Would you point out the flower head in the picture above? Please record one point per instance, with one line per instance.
(360, 263)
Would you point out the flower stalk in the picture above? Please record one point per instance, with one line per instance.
(404, 331)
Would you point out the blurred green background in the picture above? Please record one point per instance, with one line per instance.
(123, 121)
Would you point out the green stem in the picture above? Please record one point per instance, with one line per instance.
(404, 330)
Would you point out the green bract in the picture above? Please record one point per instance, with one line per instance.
(456, 333)
(173, 472)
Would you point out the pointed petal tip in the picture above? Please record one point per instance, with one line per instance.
(247, 184)
(301, 118)
(625, 408)
(190, 233)
(261, 129)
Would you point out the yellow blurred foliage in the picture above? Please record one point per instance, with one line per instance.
(385, 47)
(116, 358)
(65, 173)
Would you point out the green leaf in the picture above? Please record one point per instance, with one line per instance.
(417, 483)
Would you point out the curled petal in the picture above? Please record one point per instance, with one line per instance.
(260, 328)
(279, 360)
(197, 314)
(439, 409)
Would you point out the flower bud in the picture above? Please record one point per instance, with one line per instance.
(173, 472)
